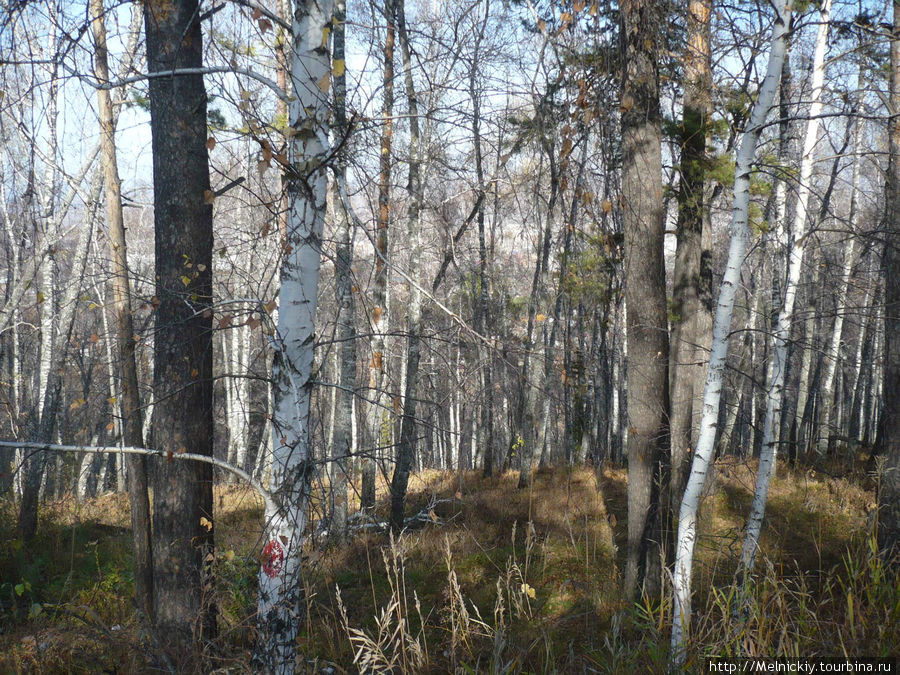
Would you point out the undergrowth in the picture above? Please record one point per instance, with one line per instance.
(497, 580)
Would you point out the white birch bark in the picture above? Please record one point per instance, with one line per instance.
(687, 523)
(778, 362)
(49, 230)
(285, 515)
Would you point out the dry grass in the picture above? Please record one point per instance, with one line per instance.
(498, 580)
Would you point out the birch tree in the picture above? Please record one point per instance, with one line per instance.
(778, 361)
(712, 394)
(278, 611)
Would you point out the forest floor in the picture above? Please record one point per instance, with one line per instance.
(492, 579)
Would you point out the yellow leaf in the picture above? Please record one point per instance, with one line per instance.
(432, 515)
(529, 591)
(540, 318)
(205, 522)
(229, 555)
(92, 305)
(606, 205)
(76, 404)
(326, 32)
(186, 280)
(593, 10)
(111, 400)
(339, 67)
(40, 297)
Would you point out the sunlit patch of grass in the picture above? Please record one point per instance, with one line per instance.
(508, 579)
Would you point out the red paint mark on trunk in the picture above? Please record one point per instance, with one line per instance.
(272, 558)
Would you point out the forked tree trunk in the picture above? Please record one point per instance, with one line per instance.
(278, 612)
(687, 521)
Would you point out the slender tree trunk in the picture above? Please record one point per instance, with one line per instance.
(182, 378)
(376, 417)
(407, 446)
(687, 520)
(482, 308)
(808, 350)
(645, 291)
(130, 401)
(343, 446)
(863, 360)
(778, 362)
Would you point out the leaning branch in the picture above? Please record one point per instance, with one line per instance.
(149, 452)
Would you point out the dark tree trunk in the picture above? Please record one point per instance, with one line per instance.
(889, 433)
(183, 347)
(645, 291)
